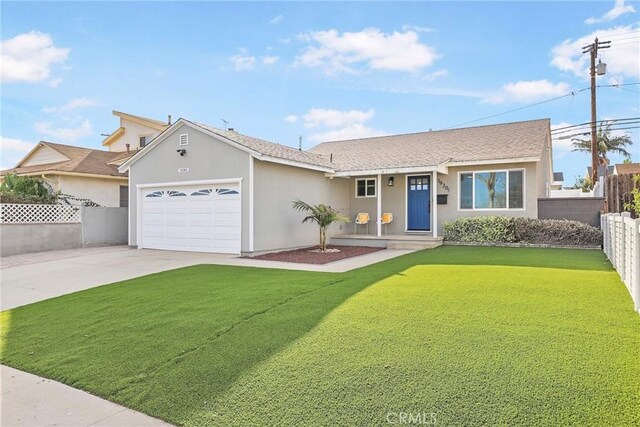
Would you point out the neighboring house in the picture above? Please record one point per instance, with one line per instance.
(558, 181)
(80, 172)
(626, 168)
(89, 174)
(200, 188)
(134, 133)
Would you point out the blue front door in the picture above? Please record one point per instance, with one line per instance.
(418, 203)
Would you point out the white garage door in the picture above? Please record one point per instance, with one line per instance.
(203, 218)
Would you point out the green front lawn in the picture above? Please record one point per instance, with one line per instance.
(474, 335)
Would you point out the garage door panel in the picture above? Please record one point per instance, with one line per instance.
(192, 218)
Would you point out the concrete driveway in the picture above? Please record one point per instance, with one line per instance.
(29, 278)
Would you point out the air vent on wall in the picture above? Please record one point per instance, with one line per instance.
(184, 139)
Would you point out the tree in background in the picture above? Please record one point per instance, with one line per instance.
(26, 190)
(607, 143)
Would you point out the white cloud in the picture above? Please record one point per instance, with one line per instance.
(15, 144)
(285, 40)
(417, 28)
(618, 10)
(28, 57)
(269, 60)
(65, 135)
(370, 49)
(291, 118)
(54, 83)
(276, 19)
(353, 131)
(528, 91)
(561, 147)
(243, 61)
(622, 58)
(434, 75)
(335, 118)
(74, 104)
(338, 125)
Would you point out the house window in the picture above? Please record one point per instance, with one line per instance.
(124, 196)
(366, 187)
(492, 190)
(145, 140)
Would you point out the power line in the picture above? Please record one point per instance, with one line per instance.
(588, 132)
(612, 121)
(572, 93)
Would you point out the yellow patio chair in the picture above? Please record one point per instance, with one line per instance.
(362, 219)
(387, 218)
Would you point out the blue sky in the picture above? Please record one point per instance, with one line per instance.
(320, 70)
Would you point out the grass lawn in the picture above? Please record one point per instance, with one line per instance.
(474, 335)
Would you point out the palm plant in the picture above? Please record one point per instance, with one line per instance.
(607, 143)
(323, 215)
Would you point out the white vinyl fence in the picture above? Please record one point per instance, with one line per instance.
(621, 241)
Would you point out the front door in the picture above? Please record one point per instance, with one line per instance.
(418, 203)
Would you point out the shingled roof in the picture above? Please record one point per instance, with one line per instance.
(270, 148)
(627, 168)
(481, 143)
(81, 160)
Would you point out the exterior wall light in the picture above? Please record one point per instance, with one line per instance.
(391, 181)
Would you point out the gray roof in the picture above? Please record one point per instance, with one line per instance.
(602, 170)
(270, 148)
(492, 142)
(558, 176)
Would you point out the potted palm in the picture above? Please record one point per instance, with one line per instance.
(323, 215)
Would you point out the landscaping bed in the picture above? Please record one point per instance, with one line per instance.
(307, 256)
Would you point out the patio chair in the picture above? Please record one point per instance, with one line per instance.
(387, 218)
(362, 219)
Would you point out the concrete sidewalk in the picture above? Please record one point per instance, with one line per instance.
(28, 400)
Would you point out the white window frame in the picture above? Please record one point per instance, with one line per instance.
(473, 190)
(366, 196)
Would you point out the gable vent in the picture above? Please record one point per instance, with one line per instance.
(184, 139)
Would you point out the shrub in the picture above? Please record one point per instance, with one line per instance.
(495, 229)
(481, 229)
(556, 232)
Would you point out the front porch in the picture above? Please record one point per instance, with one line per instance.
(406, 201)
(390, 241)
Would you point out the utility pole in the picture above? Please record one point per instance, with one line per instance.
(592, 49)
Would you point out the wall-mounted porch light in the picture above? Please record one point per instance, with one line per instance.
(391, 181)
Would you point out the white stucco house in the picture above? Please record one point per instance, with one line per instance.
(90, 174)
(200, 188)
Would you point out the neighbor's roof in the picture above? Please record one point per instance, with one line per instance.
(271, 149)
(558, 176)
(602, 170)
(627, 168)
(481, 143)
(81, 160)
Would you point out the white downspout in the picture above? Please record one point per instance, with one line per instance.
(379, 200)
(434, 203)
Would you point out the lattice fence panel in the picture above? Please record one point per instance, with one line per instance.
(33, 214)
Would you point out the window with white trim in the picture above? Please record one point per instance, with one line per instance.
(366, 187)
(145, 140)
(491, 190)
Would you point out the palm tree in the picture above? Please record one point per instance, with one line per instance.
(607, 143)
(322, 215)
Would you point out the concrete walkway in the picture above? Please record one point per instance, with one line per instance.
(25, 279)
(28, 400)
